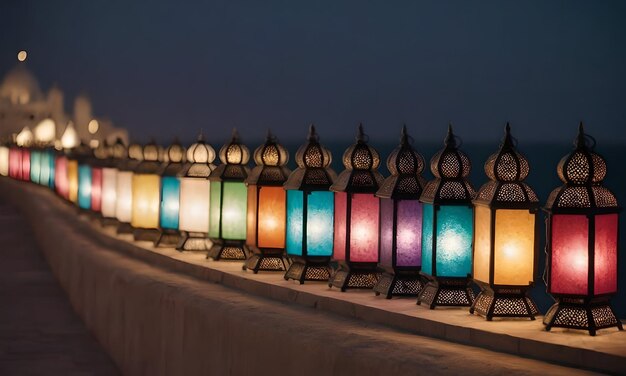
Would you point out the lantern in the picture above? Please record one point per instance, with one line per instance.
(25, 164)
(4, 160)
(581, 247)
(505, 211)
(170, 195)
(85, 160)
(356, 243)
(101, 152)
(117, 155)
(193, 217)
(146, 191)
(15, 162)
(310, 213)
(401, 222)
(61, 181)
(35, 166)
(447, 228)
(267, 208)
(227, 221)
(124, 188)
(46, 170)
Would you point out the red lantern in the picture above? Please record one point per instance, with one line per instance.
(582, 233)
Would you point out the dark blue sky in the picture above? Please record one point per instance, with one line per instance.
(161, 69)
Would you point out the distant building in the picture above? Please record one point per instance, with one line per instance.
(23, 104)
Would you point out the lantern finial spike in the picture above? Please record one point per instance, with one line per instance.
(508, 139)
(450, 138)
(360, 137)
(312, 133)
(235, 136)
(580, 139)
(200, 136)
(404, 137)
(270, 137)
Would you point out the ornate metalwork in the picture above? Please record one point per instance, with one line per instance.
(227, 250)
(586, 314)
(271, 159)
(266, 262)
(504, 302)
(399, 284)
(309, 269)
(445, 292)
(354, 277)
(234, 156)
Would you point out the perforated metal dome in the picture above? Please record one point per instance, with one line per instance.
(506, 170)
(118, 150)
(175, 152)
(582, 171)
(313, 160)
(451, 167)
(405, 165)
(200, 156)
(234, 156)
(361, 162)
(271, 158)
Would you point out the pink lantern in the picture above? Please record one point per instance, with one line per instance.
(357, 217)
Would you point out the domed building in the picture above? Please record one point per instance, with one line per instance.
(23, 104)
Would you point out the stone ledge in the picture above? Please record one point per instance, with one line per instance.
(605, 352)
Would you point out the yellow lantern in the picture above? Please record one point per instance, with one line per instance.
(193, 217)
(505, 237)
(267, 208)
(146, 188)
(124, 189)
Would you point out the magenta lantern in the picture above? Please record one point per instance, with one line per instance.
(401, 223)
(581, 247)
(357, 217)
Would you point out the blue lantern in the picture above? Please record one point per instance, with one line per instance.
(447, 229)
(310, 213)
(170, 195)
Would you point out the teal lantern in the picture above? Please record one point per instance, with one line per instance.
(447, 229)
(170, 195)
(35, 165)
(84, 158)
(229, 202)
(310, 213)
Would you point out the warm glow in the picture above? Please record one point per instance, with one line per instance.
(568, 264)
(22, 55)
(72, 180)
(124, 193)
(482, 243)
(452, 243)
(109, 195)
(4, 161)
(146, 201)
(24, 138)
(363, 239)
(194, 205)
(69, 139)
(93, 126)
(94, 143)
(272, 217)
(45, 131)
(514, 244)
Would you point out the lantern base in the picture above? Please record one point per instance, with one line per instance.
(146, 234)
(503, 302)
(192, 241)
(446, 291)
(105, 222)
(124, 228)
(227, 250)
(355, 276)
(309, 269)
(167, 237)
(265, 260)
(588, 314)
(399, 283)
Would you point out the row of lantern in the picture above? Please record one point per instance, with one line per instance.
(428, 239)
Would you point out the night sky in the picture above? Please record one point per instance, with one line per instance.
(160, 68)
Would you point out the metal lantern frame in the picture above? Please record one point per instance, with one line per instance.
(200, 157)
(173, 168)
(312, 175)
(101, 154)
(582, 194)
(269, 173)
(506, 190)
(234, 156)
(149, 166)
(404, 185)
(450, 188)
(127, 166)
(360, 177)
